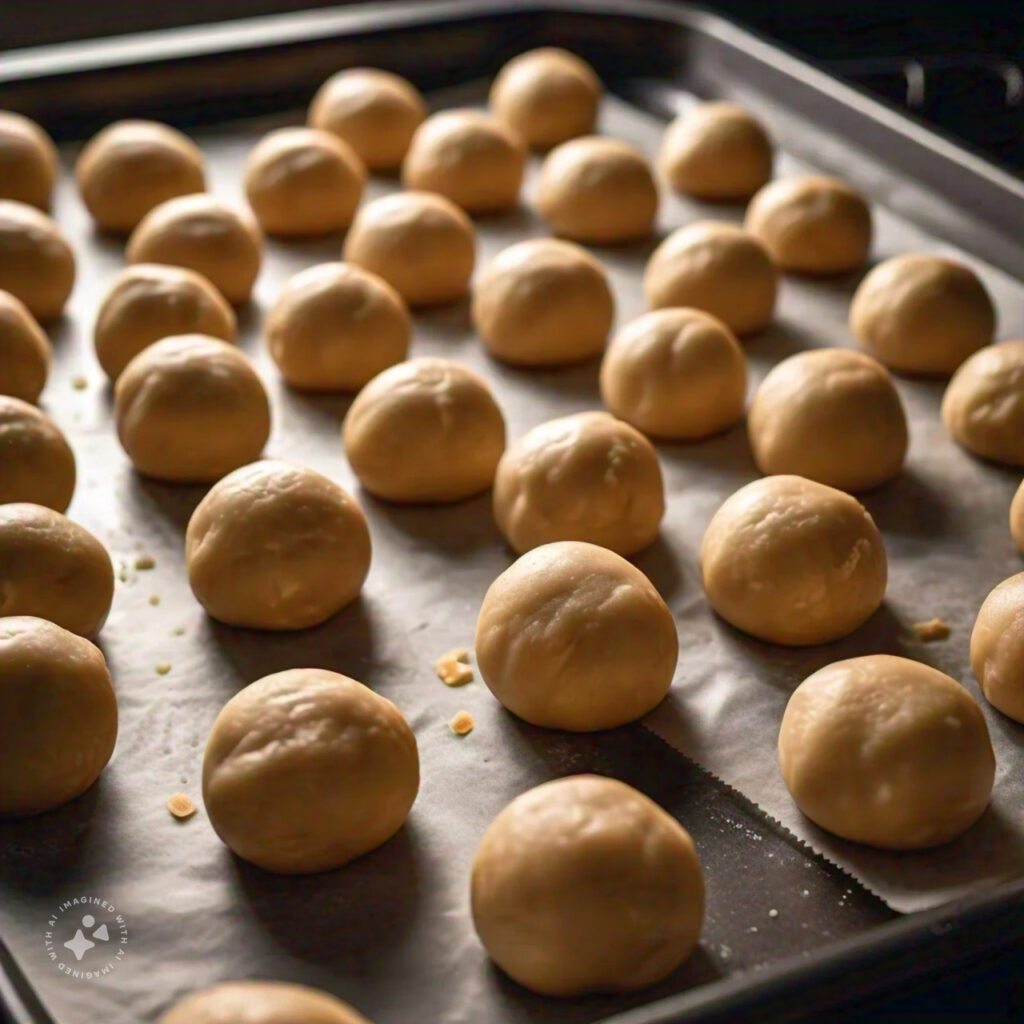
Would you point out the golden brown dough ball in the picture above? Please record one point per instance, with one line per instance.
(1017, 518)
(306, 770)
(28, 161)
(261, 1002)
(38, 463)
(58, 715)
(132, 166)
(997, 647)
(24, 351)
(543, 302)
(36, 262)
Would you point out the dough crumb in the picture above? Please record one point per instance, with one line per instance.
(122, 574)
(453, 668)
(79, 383)
(178, 631)
(462, 723)
(154, 599)
(933, 629)
(773, 912)
(181, 806)
(144, 562)
(163, 668)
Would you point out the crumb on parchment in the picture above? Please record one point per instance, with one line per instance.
(181, 806)
(453, 668)
(462, 723)
(154, 599)
(144, 562)
(163, 668)
(79, 383)
(933, 629)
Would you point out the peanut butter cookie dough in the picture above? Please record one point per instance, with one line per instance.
(37, 265)
(24, 351)
(28, 159)
(261, 1002)
(997, 647)
(1017, 518)
(38, 463)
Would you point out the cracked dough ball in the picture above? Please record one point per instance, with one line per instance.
(793, 562)
(572, 636)
(347, 751)
(547, 96)
(53, 568)
(202, 234)
(812, 224)
(586, 477)
(38, 463)
(58, 715)
(1017, 518)
(132, 166)
(997, 647)
(24, 351)
(718, 268)
(983, 407)
(276, 546)
(543, 302)
(830, 415)
(261, 1002)
(716, 151)
(428, 430)
(585, 885)
(422, 244)
(374, 111)
(36, 262)
(886, 751)
(190, 409)
(28, 161)
(303, 181)
(597, 190)
(335, 326)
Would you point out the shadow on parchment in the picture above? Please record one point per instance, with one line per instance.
(908, 506)
(449, 320)
(779, 340)
(728, 451)
(576, 379)
(660, 564)
(173, 502)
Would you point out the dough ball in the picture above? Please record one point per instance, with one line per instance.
(422, 244)
(190, 409)
(585, 885)
(150, 301)
(53, 568)
(983, 407)
(38, 463)
(831, 415)
(374, 111)
(28, 161)
(469, 157)
(303, 181)
(793, 562)
(202, 234)
(886, 751)
(130, 167)
(997, 647)
(597, 190)
(717, 267)
(427, 430)
(1017, 518)
(276, 546)
(586, 477)
(24, 351)
(572, 636)
(335, 326)
(261, 1002)
(812, 224)
(716, 151)
(58, 715)
(675, 373)
(543, 302)
(348, 751)
(36, 262)
(547, 96)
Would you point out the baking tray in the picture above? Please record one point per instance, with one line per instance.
(788, 935)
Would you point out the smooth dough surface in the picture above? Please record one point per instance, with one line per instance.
(793, 562)
(1017, 518)
(28, 161)
(261, 1002)
(997, 647)
(348, 751)
(585, 885)
(36, 262)
(24, 351)
(886, 751)
(38, 463)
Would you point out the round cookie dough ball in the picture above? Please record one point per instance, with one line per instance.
(53, 568)
(348, 751)
(831, 415)
(202, 234)
(58, 715)
(675, 373)
(24, 351)
(469, 157)
(585, 885)
(38, 463)
(422, 244)
(36, 262)
(374, 111)
(130, 167)
(547, 96)
(191, 409)
(276, 546)
(587, 477)
(717, 267)
(886, 751)
(261, 1002)
(1017, 518)
(997, 647)
(716, 151)
(428, 430)
(793, 562)
(983, 407)
(543, 302)
(597, 190)
(28, 161)
(303, 181)
(812, 224)
(335, 326)
(572, 636)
